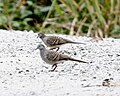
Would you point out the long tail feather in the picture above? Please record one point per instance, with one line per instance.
(72, 59)
(76, 42)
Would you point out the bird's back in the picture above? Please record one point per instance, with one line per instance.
(54, 40)
(54, 57)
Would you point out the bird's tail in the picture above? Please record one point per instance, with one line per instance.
(76, 42)
(72, 59)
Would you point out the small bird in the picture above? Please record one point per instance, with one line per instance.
(55, 41)
(53, 57)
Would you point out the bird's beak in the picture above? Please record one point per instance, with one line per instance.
(37, 36)
(38, 42)
(36, 48)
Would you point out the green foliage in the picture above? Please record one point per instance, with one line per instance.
(94, 17)
(21, 14)
(75, 17)
(116, 31)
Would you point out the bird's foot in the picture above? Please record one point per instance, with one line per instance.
(53, 69)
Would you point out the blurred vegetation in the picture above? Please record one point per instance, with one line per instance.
(98, 18)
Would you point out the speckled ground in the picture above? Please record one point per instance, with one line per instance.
(23, 73)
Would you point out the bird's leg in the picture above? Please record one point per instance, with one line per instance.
(55, 48)
(53, 69)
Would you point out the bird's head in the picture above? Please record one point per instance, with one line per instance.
(41, 35)
(40, 47)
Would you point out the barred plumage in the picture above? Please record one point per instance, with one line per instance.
(55, 41)
(53, 57)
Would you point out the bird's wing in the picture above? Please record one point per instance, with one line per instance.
(54, 40)
(55, 56)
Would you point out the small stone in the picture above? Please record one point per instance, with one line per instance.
(20, 71)
(27, 70)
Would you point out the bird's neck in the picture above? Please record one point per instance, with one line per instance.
(42, 51)
(43, 37)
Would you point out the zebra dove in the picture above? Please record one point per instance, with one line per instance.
(53, 57)
(55, 41)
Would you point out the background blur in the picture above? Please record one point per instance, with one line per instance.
(75, 17)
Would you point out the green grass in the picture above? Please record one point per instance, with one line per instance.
(73, 17)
